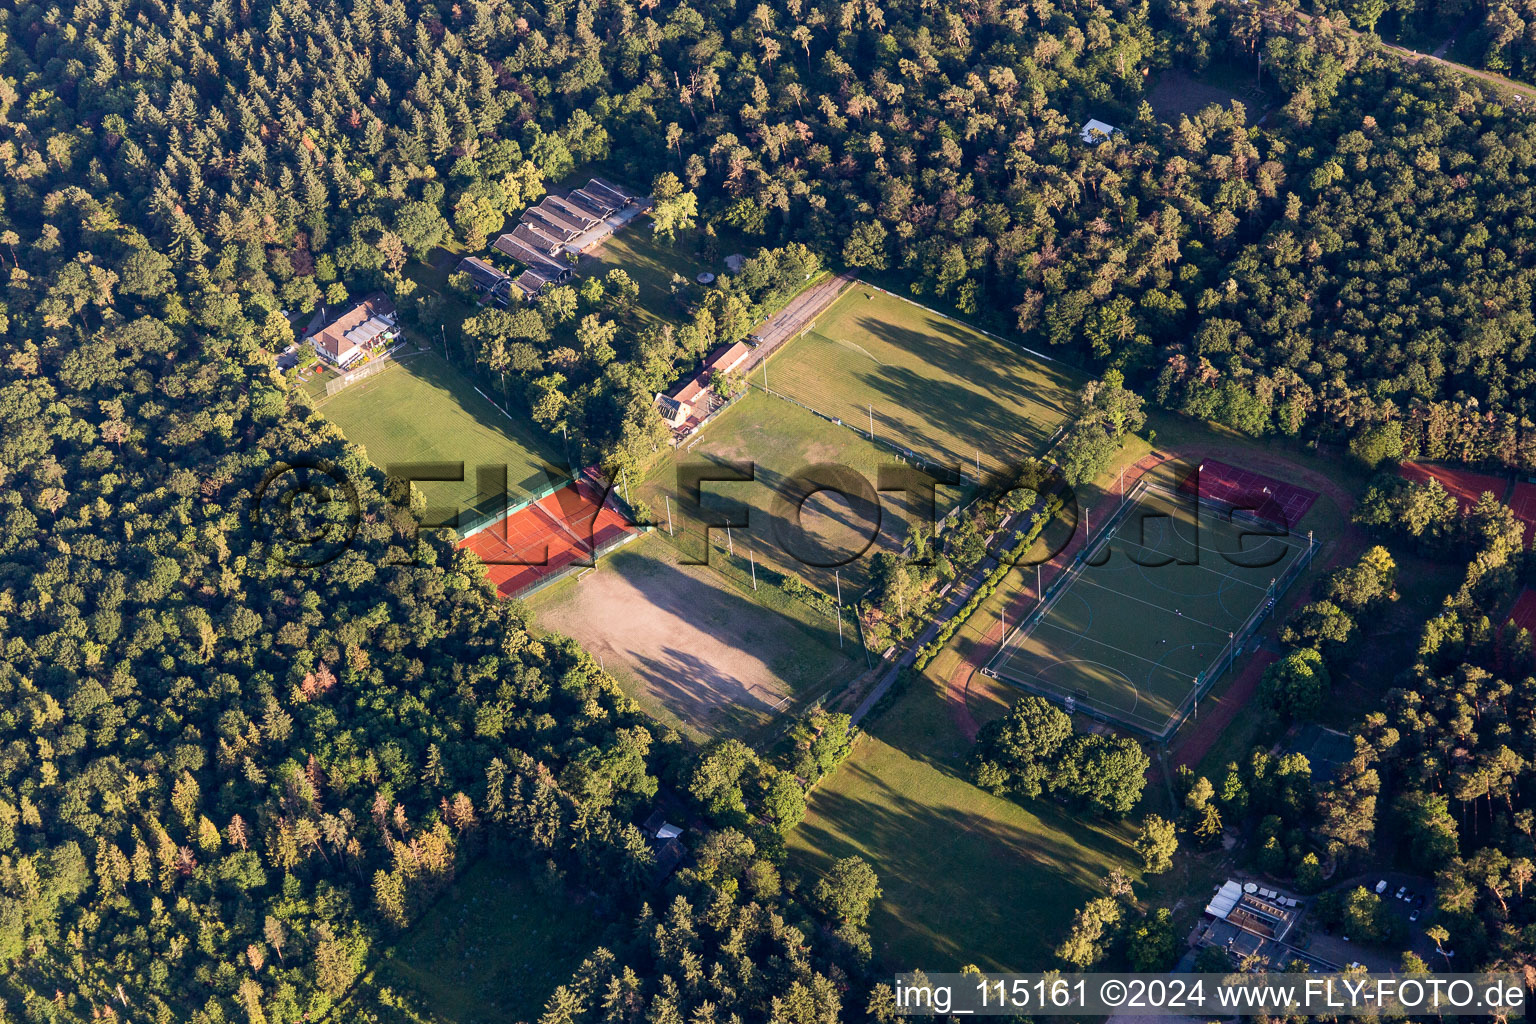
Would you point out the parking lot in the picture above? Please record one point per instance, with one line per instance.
(1413, 907)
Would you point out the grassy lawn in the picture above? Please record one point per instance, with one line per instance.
(314, 386)
(421, 409)
(1178, 94)
(651, 262)
(780, 440)
(968, 878)
(934, 386)
(492, 950)
(701, 652)
(433, 277)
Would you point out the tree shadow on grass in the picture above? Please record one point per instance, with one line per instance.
(962, 887)
(949, 423)
(700, 693)
(958, 360)
(832, 533)
(432, 370)
(989, 414)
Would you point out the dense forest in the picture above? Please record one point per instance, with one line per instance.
(228, 775)
(1359, 261)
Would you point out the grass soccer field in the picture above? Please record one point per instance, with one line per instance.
(938, 388)
(780, 440)
(968, 878)
(1156, 607)
(421, 409)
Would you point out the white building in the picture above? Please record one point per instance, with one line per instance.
(1096, 131)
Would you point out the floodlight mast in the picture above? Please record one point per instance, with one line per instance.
(837, 577)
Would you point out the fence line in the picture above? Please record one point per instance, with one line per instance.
(482, 520)
(576, 568)
(334, 387)
(1075, 569)
(948, 316)
(907, 454)
(1240, 639)
(716, 407)
(762, 352)
(1204, 680)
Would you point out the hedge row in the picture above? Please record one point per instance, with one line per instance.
(929, 651)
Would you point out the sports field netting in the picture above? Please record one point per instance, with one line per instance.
(565, 529)
(1158, 605)
(1270, 499)
(573, 516)
(931, 387)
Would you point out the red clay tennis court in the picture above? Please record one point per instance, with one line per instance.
(1270, 499)
(1523, 614)
(542, 538)
(1464, 485)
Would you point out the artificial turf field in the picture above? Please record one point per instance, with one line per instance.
(938, 388)
(421, 409)
(1151, 613)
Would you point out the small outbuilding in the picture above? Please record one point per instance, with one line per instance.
(487, 280)
(1096, 131)
(727, 358)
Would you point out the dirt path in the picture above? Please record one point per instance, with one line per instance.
(957, 689)
(956, 600)
(796, 316)
(1520, 89)
(1197, 740)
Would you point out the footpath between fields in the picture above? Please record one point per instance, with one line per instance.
(976, 578)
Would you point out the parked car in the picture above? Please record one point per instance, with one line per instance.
(1381, 887)
(1413, 915)
(1402, 892)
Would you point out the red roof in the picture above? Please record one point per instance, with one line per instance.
(332, 340)
(727, 357)
(689, 389)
